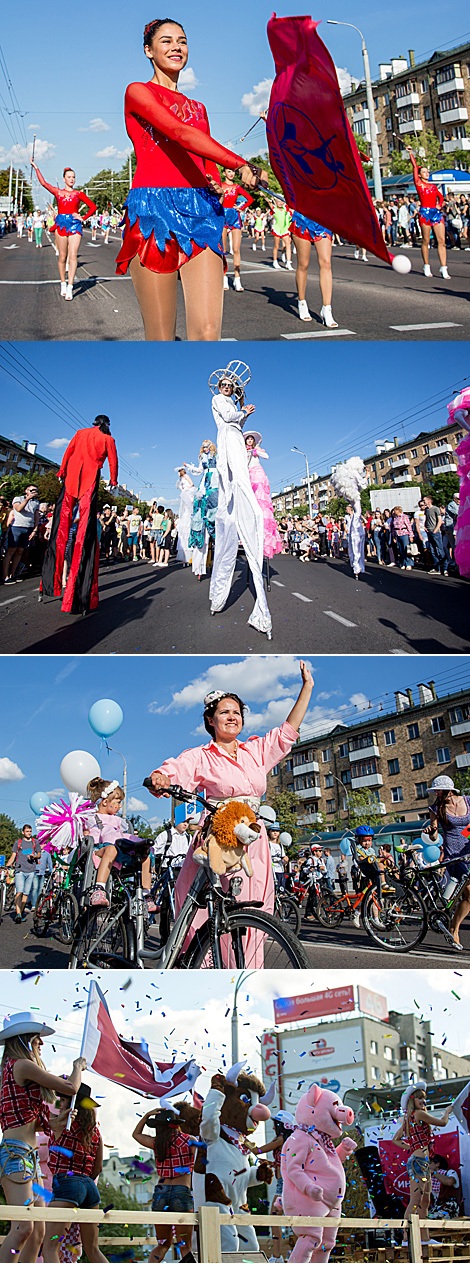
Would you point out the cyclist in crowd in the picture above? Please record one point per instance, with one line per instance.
(108, 829)
(366, 857)
(450, 818)
(25, 855)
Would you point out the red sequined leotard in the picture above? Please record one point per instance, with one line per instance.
(68, 200)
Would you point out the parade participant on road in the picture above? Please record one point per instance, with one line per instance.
(450, 818)
(75, 1160)
(260, 484)
(109, 826)
(430, 216)
(25, 856)
(415, 1135)
(239, 516)
(174, 220)
(281, 234)
(227, 768)
(23, 525)
(202, 527)
(186, 490)
(234, 201)
(305, 231)
(26, 1090)
(80, 470)
(68, 224)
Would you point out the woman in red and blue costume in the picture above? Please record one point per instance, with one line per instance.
(234, 201)
(68, 225)
(174, 220)
(430, 216)
(305, 232)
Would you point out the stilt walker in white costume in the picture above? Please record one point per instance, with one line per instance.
(239, 516)
(186, 490)
(348, 480)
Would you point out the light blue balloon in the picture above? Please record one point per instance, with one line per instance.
(431, 853)
(345, 847)
(105, 717)
(38, 801)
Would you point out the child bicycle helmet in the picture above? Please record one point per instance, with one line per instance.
(364, 831)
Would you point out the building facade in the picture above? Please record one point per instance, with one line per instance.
(409, 99)
(22, 458)
(394, 757)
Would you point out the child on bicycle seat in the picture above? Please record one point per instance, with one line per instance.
(108, 829)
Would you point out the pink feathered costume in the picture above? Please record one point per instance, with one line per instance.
(312, 1170)
(262, 491)
(209, 768)
(459, 411)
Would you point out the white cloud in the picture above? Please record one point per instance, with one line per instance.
(96, 125)
(258, 98)
(32, 126)
(43, 149)
(10, 771)
(188, 78)
(58, 792)
(137, 805)
(57, 443)
(347, 82)
(361, 701)
(321, 720)
(134, 454)
(111, 152)
(257, 678)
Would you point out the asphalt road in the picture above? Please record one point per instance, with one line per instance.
(326, 949)
(370, 300)
(146, 611)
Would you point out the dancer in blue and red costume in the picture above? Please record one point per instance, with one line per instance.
(80, 470)
(234, 201)
(304, 232)
(431, 216)
(174, 219)
(68, 225)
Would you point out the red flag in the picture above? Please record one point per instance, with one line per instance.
(311, 146)
(128, 1062)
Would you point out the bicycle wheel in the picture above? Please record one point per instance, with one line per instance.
(329, 913)
(115, 941)
(68, 917)
(396, 922)
(43, 916)
(10, 897)
(2, 901)
(273, 948)
(289, 913)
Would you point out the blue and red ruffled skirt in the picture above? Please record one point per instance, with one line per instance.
(430, 215)
(67, 225)
(309, 229)
(166, 227)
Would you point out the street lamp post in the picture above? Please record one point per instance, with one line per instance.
(370, 105)
(245, 974)
(294, 449)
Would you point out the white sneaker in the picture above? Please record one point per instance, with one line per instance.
(283, 256)
(304, 313)
(225, 282)
(427, 271)
(326, 316)
(356, 254)
(63, 289)
(276, 265)
(444, 274)
(237, 285)
(264, 248)
(69, 292)
(289, 267)
(253, 246)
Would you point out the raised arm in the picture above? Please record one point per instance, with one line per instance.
(144, 1138)
(24, 1071)
(299, 709)
(51, 188)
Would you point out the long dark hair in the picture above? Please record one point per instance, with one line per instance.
(167, 1124)
(86, 1120)
(152, 27)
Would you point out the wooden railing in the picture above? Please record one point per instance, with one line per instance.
(209, 1221)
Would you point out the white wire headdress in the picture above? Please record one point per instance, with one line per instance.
(237, 372)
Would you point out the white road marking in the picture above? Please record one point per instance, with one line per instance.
(323, 333)
(56, 281)
(12, 599)
(426, 955)
(278, 584)
(438, 324)
(14, 247)
(339, 618)
(407, 653)
(302, 598)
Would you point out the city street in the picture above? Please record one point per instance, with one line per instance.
(315, 607)
(370, 301)
(326, 949)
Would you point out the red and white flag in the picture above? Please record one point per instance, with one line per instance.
(128, 1062)
(461, 1108)
(312, 149)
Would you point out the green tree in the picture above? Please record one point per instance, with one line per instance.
(9, 832)
(49, 486)
(362, 810)
(140, 826)
(432, 157)
(287, 806)
(111, 1195)
(337, 506)
(444, 487)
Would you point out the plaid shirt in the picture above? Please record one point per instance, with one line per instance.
(81, 1162)
(21, 1103)
(179, 1155)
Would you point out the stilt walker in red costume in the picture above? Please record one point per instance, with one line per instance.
(80, 470)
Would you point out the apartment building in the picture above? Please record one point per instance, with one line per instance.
(22, 458)
(409, 98)
(394, 464)
(394, 757)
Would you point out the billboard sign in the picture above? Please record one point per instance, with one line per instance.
(292, 1009)
(372, 1003)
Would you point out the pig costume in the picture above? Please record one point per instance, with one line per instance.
(312, 1170)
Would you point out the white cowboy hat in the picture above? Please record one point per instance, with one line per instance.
(23, 1024)
(253, 434)
(412, 1088)
(442, 783)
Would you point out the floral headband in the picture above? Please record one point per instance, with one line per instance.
(214, 696)
(113, 785)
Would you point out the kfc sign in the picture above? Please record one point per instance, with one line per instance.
(270, 1054)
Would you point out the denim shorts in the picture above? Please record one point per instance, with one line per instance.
(18, 537)
(172, 1198)
(79, 1190)
(418, 1167)
(24, 882)
(278, 1190)
(17, 1157)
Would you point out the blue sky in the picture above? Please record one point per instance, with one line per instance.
(160, 406)
(45, 705)
(69, 76)
(201, 1005)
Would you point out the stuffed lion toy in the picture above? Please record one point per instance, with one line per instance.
(232, 829)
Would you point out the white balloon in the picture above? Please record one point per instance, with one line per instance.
(401, 263)
(77, 769)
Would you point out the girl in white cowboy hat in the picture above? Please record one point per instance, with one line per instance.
(450, 818)
(415, 1135)
(26, 1090)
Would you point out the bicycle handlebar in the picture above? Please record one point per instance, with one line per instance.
(177, 792)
